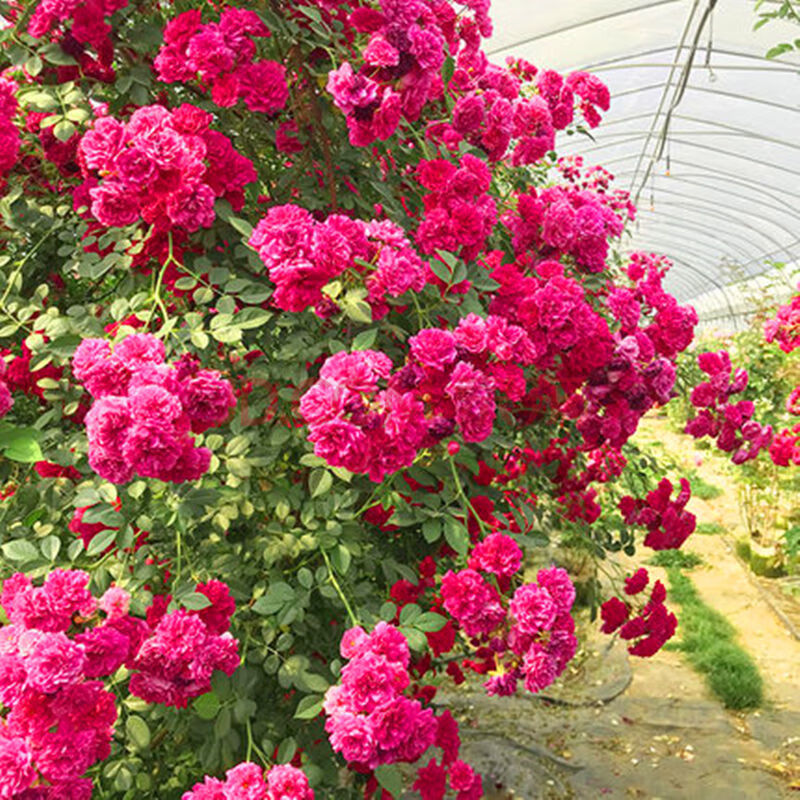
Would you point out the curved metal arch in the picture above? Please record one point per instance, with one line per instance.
(712, 208)
(713, 212)
(613, 62)
(582, 23)
(693, 88)
(703, 230)
(680, 177)
(721, 287)
(729, 129)
(713, 173)
(729, 153)
(697, 250)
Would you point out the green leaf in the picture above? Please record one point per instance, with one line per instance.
(389, 778)
(278, 595)
(195, 601)
(409, 613)
(20, 550)
(779, 50)
(241, 226)
(387, 611)
(456, 535)
(63, 130)
(286, 750)
(207, 705)
(101, 541)
(430, 622)
(55, 55)
(20, 444)
(365, 339)
(50, 547)
(308, 707)
(320, 482)
(340, 556)
(432, 529)
(251, 318)
(138, 733)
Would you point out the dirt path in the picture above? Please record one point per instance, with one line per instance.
(649, 728)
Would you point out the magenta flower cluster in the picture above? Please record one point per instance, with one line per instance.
(531, 638)
(86, 20)
(668, 523)
(6, 400)
(731, 424)
(448, 383)
(174, 664)
(222, 55)
(164, 167)
(145, 410)
(247, 781)
(57, 721)
(370, 720)
(651, 626)
(9, 133)
(302, 255)
(784, 327)
(459, 213)
(400, 70)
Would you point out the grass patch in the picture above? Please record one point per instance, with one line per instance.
(709, 528)
(708, 640)
(702, 488)
(675, 558)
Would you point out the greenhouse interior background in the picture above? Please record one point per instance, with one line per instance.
(399, 400)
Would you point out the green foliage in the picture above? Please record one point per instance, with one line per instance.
(701, 488)
(709, 528)
(708, 640)
(679, 559)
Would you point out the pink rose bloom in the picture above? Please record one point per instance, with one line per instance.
(245, 782)
(286, 781)
(115, 602)
(114, 205)
(498, 554)
(55, 661)
(533, 608)
(433, 347)
(192, 207)
(16, 766)
(138, 350)
(207, 400)
(105, 649)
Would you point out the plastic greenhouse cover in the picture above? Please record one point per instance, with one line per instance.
(703, 128)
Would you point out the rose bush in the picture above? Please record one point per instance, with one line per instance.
(293, 381)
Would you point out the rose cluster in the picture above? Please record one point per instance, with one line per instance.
(400, 68)
(145, 410)
(57, 720)
(6, 400)
(448, 383)
(785, 447)
(9, 134)
(183, 648)
(731, 424)
(222, 55)
(302, 255)
(165, 167)
(784, 327)
(370, 719)
(247, 781)
(651, 626)
(532, 637)
(459, 213)
(84, 21)
(668, 523)
(559, 220)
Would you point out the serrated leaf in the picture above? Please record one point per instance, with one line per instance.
(207, 705)
(432, 529)
(63, 130)
(101, 541)
(365, 339)
(195, 601)
(456, 535)
(20, 550)
(319, 482)
(430, 622)
(286, 750)
(389, 778)
(50, 547)
(138, 733)
(308, 707)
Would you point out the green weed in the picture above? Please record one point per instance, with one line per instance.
(675, 558)
(708, 640)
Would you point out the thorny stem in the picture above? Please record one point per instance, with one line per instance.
(463, 495)
(335, 584)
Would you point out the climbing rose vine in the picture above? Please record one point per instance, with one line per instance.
(311, 345)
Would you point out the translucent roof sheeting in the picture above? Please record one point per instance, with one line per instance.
(703, 129)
